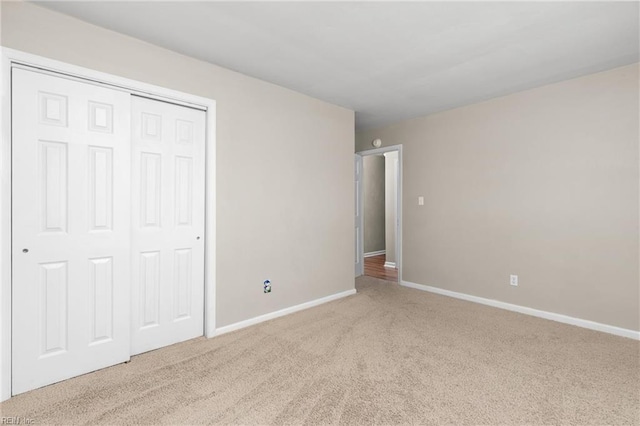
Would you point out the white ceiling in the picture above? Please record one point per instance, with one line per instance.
(388, 61)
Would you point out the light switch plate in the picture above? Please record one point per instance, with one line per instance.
(421, 200)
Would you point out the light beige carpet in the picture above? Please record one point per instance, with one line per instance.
(387, 355)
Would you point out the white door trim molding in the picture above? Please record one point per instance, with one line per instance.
(382, 150)
(14, 58)
(591, 325)
(359, 217)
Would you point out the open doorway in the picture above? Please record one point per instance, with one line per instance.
(378, 218)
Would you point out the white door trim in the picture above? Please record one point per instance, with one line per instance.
(359, 218)
(11, 58)
(382, 150)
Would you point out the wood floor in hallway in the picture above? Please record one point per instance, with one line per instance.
(374, 267)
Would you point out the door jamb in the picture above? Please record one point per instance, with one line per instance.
(359, 205)
(377, 151)
(11, 58)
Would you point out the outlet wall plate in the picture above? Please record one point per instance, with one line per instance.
(513, 280)
(266, 286)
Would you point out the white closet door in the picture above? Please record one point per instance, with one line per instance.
(167, 223)
(71, 228)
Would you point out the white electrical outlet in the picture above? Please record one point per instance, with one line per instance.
(421, 201)
(513, 280)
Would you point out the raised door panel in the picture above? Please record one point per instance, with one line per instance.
(149, 282)
(184, 190)
(53, 172)
(52, 308)
(101, 299)
(183, 276)
(52, 109)
(150, 189)
(100, 188)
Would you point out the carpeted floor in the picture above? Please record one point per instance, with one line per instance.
(387, 355)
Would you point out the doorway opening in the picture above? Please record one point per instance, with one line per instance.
(378, 213)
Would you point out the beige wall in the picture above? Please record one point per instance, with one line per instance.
(284, 163)
(373, 191)
(542, 184)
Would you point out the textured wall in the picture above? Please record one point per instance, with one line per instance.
(543, 184)
(373, 191)
(284, 163)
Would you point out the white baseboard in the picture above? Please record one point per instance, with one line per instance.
(624, 332)
(282, 312)
(374, 253)
(389, 264)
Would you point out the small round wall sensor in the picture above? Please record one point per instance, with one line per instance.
(377, 143)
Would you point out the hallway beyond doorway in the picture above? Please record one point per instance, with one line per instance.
(374, 267)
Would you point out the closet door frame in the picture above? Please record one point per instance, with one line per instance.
(11, 58)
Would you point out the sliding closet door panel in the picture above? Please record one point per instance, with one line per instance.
(71, 228)
(167, 223)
